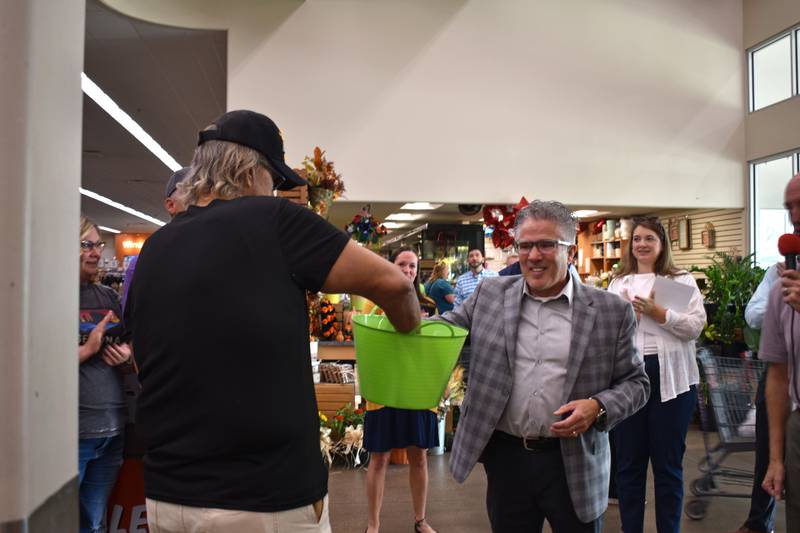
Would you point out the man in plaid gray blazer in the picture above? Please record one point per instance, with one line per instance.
(553, 368)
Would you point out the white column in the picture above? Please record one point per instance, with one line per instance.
(41, 57)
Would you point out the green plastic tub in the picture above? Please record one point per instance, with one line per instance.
(405, 370)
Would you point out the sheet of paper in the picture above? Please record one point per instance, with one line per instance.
(672, 295)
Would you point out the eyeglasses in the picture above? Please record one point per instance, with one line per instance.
(87, 246)
(545, 246)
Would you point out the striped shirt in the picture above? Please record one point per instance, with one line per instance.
(467, 282)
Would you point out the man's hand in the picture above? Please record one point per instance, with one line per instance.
(116, 354)
(790, 281)
(583, 414)
(773, 481)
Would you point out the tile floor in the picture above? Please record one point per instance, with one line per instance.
(454, 508)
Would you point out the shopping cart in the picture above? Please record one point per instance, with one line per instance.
(728, 397)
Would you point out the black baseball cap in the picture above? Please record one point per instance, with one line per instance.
(174, 180)
(258, 132)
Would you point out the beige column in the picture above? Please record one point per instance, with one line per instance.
(41, 57)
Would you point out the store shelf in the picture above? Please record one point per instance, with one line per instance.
(336, 351)
(333, 396)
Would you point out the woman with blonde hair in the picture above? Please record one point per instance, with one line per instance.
(102, 408)
(439, 289)
(666, 338)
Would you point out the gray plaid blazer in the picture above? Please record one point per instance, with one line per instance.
(603, 363)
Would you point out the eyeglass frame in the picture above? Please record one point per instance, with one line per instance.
(88, 246)
(535, 244)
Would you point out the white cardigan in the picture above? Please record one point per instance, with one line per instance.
(675, 338)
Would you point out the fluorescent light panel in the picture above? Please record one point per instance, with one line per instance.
(394, 225)
(110, 106)
(121, 207)
(421, 206)
(403, 216)
(110, 230)
(584, 213)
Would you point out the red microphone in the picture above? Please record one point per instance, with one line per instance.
(789, 247)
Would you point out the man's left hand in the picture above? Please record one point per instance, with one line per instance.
(790, 281)
(583, 414)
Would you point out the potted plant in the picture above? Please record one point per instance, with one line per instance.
(728, 284)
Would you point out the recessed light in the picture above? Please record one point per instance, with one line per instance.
(110, 230)
(403, 216)
(121, 207)
(580, 213)
(421, 206)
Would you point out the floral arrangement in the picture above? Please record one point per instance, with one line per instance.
(324, 184)
(366, 229)
(453, 393)
(343, 435)
(502, 218)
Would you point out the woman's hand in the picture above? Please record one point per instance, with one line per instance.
(95, 339)
(648, 307)
(116, 354)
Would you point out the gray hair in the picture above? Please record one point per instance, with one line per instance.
(221, 168)
(549, 210)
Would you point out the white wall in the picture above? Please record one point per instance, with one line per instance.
(41, 56)
(594, 103)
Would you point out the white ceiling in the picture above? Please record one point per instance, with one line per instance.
(172, 81)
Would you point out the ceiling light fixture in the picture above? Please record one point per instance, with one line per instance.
(403, 216)
(584, 213)
(121, 207)
(110, 106)
(421, 206)
(393, 225)
(110, 230)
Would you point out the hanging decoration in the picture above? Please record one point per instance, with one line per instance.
(324, 184)
(502, 218)
(366, 229)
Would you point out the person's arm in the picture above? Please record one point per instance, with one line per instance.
(778, 404)
(757, 306)
(630, 387)
(689, 325)
(459, 293)
(362, 272)
(450, 298)
(445, 289)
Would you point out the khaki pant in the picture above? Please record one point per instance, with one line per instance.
(171, 518)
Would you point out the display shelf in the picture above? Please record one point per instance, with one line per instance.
(333, 396)
(336, 351)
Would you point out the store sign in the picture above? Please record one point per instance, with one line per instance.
(129, 244)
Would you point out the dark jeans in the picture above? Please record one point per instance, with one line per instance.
(656, 434)
(612, 479)
(762, 505)
(527, 487)
(99, 461)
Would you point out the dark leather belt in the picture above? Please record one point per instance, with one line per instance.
(532, 444)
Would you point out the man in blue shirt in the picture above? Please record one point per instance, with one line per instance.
(467, 282)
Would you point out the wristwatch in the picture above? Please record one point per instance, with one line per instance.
(601, 415)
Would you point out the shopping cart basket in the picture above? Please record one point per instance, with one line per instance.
(728, 397)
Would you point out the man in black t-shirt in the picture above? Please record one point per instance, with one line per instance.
(218, 312)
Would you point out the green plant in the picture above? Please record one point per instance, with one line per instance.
(730, 281)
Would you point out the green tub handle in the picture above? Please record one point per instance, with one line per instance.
(436, 323)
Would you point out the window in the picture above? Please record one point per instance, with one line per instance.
(773, 70)
(769, 218)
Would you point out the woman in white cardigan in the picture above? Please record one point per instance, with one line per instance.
(666, 339)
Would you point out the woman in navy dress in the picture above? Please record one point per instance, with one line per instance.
(388, 428)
